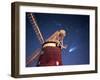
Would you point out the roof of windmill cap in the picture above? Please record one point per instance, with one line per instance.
(63, 32)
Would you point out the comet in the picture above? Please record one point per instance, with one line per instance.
(72, 49)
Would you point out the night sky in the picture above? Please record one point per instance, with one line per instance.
(77, 38)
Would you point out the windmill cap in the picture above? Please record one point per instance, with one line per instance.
(63, 32)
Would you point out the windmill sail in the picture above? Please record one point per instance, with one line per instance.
(32, 58)
(35, 55)
(36, 28)
(53, 36)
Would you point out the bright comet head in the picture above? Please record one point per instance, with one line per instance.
(72, 49)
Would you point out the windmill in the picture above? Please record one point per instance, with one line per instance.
(50, 53)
